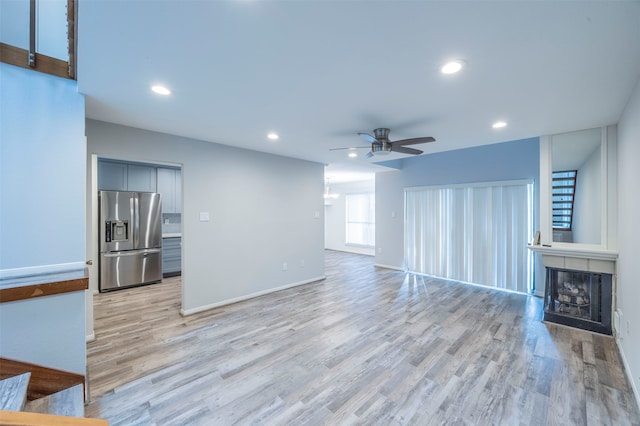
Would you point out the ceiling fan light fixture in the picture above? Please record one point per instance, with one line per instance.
(499, 124)
(353, 154)
(381, 148)
(273, 136)
(452, 67)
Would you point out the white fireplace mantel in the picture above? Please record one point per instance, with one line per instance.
(578, 252)
(575, 257)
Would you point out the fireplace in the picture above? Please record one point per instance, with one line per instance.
(579, 299)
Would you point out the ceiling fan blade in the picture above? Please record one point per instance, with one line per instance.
(413, 141)
(369, 154)
(403, 150)
(367, 137)
(349, 147)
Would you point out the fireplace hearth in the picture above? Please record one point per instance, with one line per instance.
(579, 299)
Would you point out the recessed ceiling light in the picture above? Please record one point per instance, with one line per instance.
(499, 124)
(161, 90)
(353, 155)
(273, 136)
(452, 67)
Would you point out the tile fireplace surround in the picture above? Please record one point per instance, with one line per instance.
(579, 286)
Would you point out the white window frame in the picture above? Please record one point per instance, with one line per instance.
(369, 222)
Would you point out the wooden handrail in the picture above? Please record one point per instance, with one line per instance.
(23, 418)
(12, 294)
(20, 57)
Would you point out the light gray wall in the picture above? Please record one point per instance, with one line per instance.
(628, 283)
(504, 161)
(586, 213)
(335, 216)
(265, 210)
(42, 229)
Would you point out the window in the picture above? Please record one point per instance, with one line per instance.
(476, 233)
(361, 223)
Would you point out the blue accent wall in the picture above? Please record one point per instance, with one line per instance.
(503, 161)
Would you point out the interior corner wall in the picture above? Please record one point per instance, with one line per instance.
(42, 228)
(504, 161)
(335, 215)
(628, 283)
(265, 211)
(586, 211)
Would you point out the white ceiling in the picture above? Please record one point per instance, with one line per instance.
(317, 72)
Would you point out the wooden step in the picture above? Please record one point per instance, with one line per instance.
(23, 418)
(69, 402)
(44, 380)
(13, 392)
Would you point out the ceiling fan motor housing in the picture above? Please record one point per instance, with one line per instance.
(381, 134)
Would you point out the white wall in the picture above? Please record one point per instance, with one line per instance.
(48, 331)
(586, 213)
(628, 283)
(262, 211)
(43, 170)
(504, 161)
(42, 181)
(335, 216)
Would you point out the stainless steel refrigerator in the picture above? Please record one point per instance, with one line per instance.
(130, 239)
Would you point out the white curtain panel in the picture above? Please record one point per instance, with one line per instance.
(477, 233)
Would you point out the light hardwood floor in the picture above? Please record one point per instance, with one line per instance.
(365, 346)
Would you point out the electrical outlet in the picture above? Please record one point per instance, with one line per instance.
(379, 250)
(285, 266)
(302, 263)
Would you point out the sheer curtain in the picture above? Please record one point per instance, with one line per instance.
(476, 233)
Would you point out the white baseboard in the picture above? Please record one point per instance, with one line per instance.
(91, 337)
(395, 268)
(347, 250)
(187, 312)
(629, 374)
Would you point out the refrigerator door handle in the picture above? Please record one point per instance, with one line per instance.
(132, 253)
(135, 212)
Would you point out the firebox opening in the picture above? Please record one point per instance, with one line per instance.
(579, 299)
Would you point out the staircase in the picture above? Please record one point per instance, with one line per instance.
(563, 192)
(34, 395)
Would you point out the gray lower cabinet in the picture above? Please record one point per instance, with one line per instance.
(171, 256)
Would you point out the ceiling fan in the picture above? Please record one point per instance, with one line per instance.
(381, 145)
